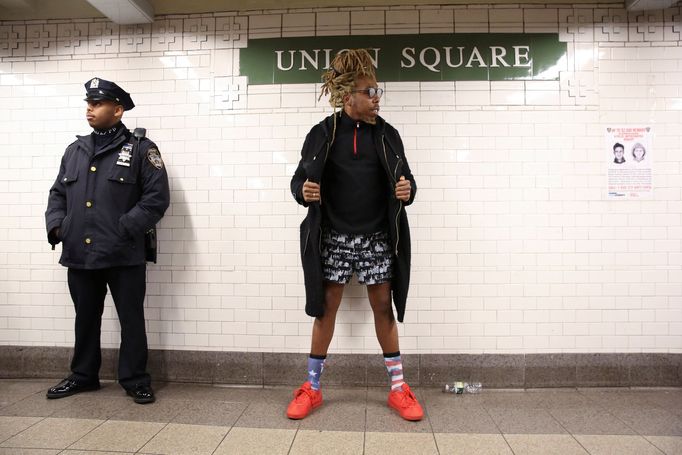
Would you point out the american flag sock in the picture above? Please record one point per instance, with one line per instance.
(394, 366)
(315, 368)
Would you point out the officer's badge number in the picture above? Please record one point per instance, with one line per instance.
(154, 157)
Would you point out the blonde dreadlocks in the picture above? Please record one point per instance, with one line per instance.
(339, 80)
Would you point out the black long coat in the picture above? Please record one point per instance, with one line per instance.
(102, 207)
(314, 154)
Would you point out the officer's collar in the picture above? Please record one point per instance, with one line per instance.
(107, 131)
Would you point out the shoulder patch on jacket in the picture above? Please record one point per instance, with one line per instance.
(154, 157)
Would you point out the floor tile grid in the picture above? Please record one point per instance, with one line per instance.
(511, 439)
(601, 404)
(648, 438)
(431, 428)
(3, 440)
(508, 437)
(233, 426)
(505, 435)
(499, 430)
(74, 443)
(646, 441)
(39, 395)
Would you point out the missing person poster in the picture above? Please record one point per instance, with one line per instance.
(629, 156)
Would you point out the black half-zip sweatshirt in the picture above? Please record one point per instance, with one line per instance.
(354, 184)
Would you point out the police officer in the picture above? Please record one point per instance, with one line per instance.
(111, 189)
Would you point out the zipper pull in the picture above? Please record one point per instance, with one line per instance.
(355, 140)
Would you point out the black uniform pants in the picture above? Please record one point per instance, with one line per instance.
(88, 289)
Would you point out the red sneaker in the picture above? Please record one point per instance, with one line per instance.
(405, 403)
(305, 400)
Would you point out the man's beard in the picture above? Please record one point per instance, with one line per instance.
(372, 120)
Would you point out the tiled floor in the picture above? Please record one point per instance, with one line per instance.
(198, 419)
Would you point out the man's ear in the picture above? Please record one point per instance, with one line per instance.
(118, 111)
(346, 98)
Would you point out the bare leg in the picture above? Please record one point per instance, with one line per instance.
(384, 321)
(323, 328)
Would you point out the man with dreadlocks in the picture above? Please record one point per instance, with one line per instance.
(355, 181)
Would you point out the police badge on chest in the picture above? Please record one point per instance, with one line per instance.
(124, 155)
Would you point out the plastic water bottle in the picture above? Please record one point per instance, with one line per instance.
(473, 387)
(462, 387)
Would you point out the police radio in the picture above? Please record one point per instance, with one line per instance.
(150, 242)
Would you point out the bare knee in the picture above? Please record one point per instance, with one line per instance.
(333, 293)
(381, 306)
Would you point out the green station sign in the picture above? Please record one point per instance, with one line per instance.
(425, 57)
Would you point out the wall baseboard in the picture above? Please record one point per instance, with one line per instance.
(429, 370)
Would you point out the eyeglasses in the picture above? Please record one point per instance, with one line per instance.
(371, 92)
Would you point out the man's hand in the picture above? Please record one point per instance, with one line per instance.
(54, 236)
(403, 188)
(311, 191)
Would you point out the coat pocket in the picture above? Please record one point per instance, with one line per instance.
(123, 176)
(65, 227)
(69, 180)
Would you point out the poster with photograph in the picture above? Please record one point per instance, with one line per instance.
(629, 156)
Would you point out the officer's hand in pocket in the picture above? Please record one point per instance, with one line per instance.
(122, 231)
(54, 237)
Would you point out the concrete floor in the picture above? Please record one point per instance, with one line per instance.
(200, 419)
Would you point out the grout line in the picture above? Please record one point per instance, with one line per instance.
(291, 446)
(364, 433)
(567, 431)
(498, 428)
(40, 419)
(96, 427)
(650, 442)
(155, 435)
(428, 416)
(230, 429)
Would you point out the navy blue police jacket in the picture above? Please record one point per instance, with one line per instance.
(104, 207)
(314, 154)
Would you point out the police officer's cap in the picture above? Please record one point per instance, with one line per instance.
(97, 89)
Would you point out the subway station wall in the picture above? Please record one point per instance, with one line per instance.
(517, 246)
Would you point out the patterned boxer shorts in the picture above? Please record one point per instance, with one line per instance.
(368, 255)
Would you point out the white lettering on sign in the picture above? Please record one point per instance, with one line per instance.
(434, 61)
(448, 57)
(518, 56)
(408, 53)
(280, 66)
(498, 53)
(429, 58)
(305, 60)
(475, 55)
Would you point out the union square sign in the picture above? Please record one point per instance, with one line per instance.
(425, 57)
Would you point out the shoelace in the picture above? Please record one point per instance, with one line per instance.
(303, 392)
(408, 397)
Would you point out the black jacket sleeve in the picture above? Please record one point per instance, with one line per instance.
(406, 171)
(300, 175)
(155, 197)
(56, 205)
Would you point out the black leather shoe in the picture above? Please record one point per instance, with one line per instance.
(69, 387)
(142, 394)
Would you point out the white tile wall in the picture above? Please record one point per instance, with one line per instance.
(515, 248)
